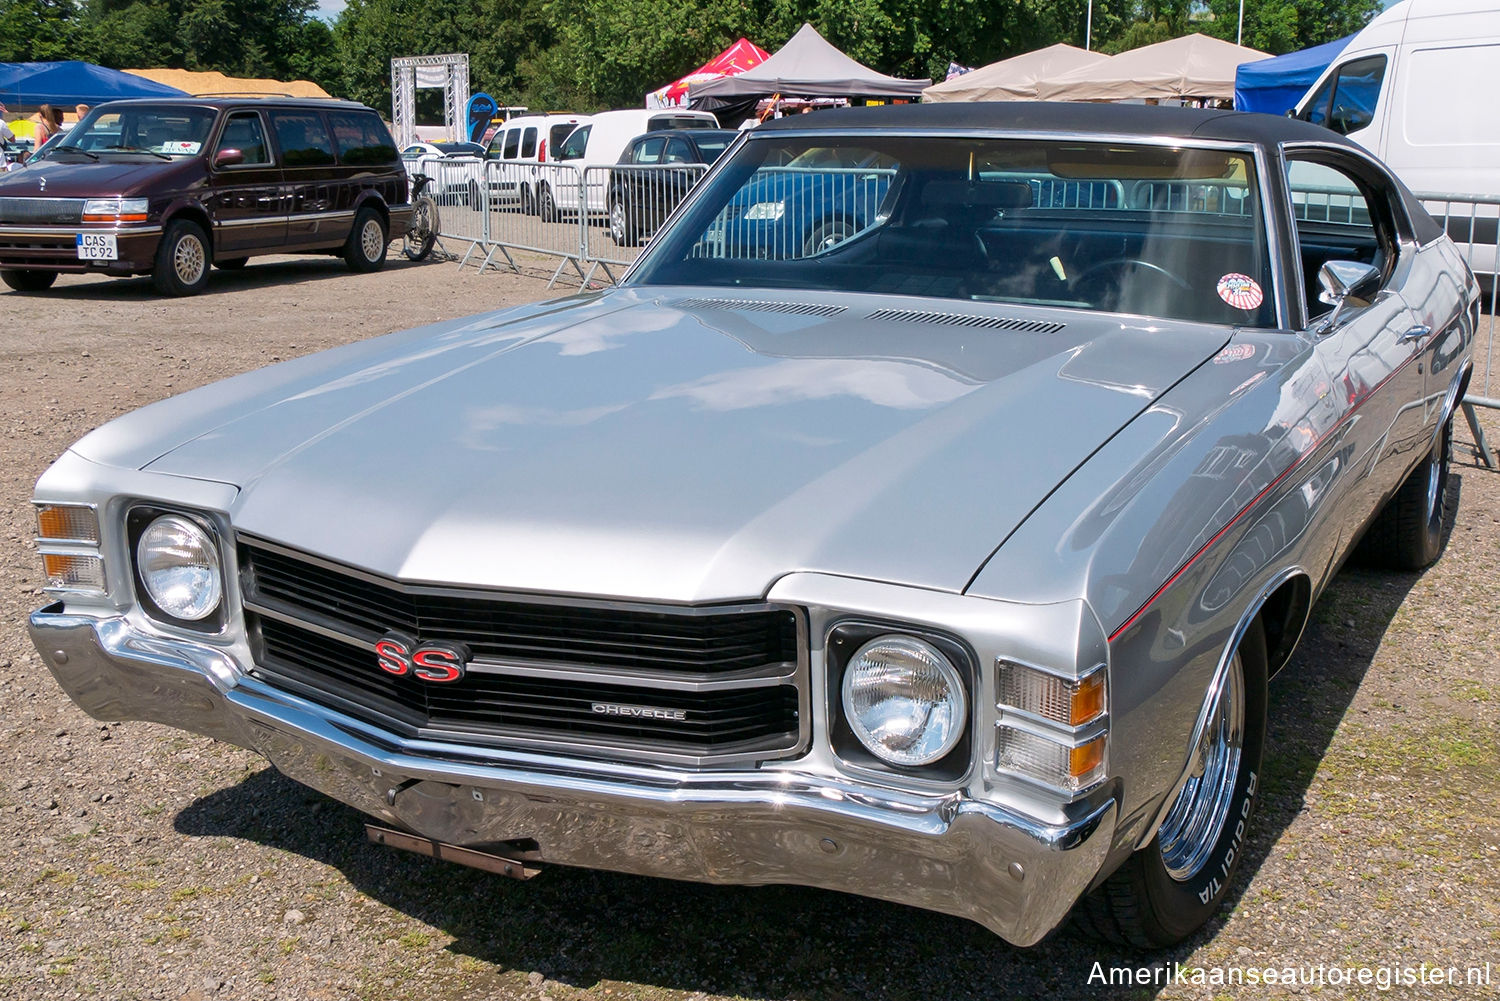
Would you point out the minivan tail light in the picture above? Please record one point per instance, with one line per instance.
(541, 151)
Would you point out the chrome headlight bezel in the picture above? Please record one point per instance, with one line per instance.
(138, 520)
(844, 640)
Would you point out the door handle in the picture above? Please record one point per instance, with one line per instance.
(1416, 333)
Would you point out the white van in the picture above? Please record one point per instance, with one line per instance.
(600, 141)
(518, 147)
(1416, 88)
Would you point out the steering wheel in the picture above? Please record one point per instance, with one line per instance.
(1108, 295)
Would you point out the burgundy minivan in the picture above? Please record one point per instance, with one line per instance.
(168, 187)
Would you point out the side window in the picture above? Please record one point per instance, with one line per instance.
(303, 140)
(557, 133)
(1346, 101)
(361, 138)
(576, 144)
(649, 151)
(244, 132)
(678, 152)
(528, 142)
(1338, 219)
(512, 143)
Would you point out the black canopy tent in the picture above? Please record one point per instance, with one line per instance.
(806, 66)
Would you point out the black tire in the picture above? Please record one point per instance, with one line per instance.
(622, 228)
(232, 263)
(528, 203)
(1407, 534)
(182, 259)
(829, 234)
(365, 249)
(1151, 903)
(545, 206)
(29, 280)
(421, 235)
(474, 199)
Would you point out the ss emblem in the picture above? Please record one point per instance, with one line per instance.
(438, 663)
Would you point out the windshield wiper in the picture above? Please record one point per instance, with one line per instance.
(78, 149)
(137, 149)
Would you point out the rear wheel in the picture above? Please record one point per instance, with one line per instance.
(528, 203)
(1169, 889)
(29, 280)
(1407, 534)
(476, 200)
(421, 235)
(545, 206)
(365, 249)
(181, 266)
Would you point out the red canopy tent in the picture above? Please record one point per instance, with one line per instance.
(740, 56)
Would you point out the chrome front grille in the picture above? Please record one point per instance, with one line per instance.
(699, 685)
(24, 211)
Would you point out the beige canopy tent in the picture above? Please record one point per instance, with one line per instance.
(1191, 66)
(1016, 78)
(204, 82)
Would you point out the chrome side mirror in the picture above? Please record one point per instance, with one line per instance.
(1345, 284)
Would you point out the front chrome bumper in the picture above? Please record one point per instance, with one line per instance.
(947, 853)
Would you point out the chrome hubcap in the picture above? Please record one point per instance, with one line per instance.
(370, 239)
(1193, 825)
(189, 260)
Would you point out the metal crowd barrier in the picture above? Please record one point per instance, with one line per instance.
(627, 204)
(1473, 223)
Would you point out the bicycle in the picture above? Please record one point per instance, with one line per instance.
(421, 235)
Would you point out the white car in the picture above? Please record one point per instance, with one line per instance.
(454, 181)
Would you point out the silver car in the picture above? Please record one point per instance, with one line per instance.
(938, 552)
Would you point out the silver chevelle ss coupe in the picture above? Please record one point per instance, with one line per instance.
(921, 517)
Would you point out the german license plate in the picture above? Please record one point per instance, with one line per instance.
(97, 247)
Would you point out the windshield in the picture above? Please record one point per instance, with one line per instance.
(1162, 231)
(163, 130)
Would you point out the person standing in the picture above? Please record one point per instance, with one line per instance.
(49, 124)
(7, 136)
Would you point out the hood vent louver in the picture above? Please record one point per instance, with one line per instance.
(764, 306)
(968, 320)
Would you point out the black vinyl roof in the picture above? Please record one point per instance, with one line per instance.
(1061, 116)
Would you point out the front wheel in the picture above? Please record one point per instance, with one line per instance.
(364, 251)
(829, 234)
(29, 280)
(1169, 889)
(620, 228)
(182, 257)
(421, 235)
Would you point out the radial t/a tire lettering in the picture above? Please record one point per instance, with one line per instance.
(1172, 887)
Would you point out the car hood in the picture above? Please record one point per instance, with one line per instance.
(125, 175)
(653, 444)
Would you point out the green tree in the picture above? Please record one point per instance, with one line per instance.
(37, 30)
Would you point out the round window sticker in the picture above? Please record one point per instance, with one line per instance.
(1241, 291)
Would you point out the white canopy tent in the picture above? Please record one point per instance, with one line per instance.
(1194, 66)
(1016, 78)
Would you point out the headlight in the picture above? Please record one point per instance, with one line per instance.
(766, 210)
(115, 210)
(904, 700)
(179, 566)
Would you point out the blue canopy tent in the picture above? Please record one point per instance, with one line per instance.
(65, 84)
(1275, 85)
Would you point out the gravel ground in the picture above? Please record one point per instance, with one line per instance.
(141, 862)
